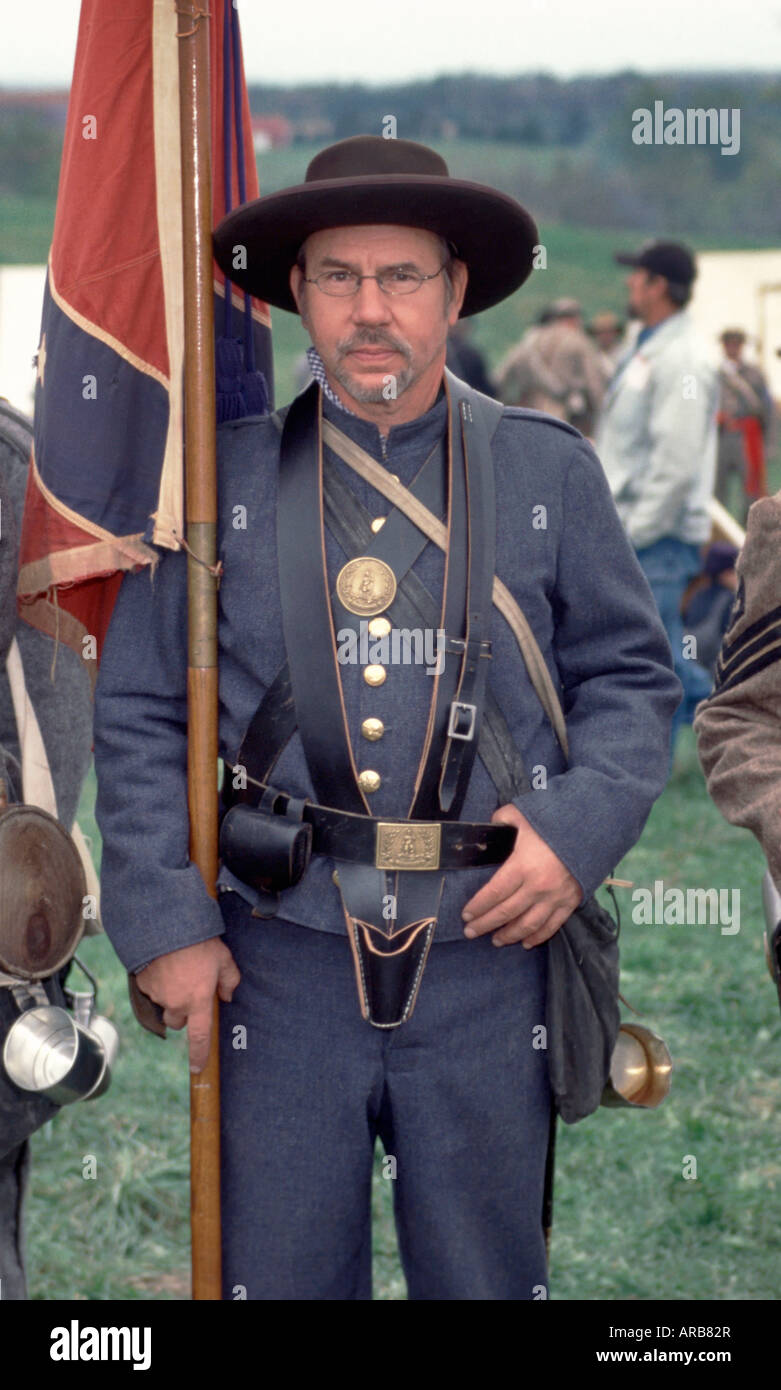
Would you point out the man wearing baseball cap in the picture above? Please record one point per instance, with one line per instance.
(657, 443)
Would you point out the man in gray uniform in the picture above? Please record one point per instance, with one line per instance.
(556, 368)
(746, 419)
(334, 1033)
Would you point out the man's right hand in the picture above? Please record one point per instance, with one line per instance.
(184, 983)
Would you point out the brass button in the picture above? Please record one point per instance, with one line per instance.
(378, 523)
(379, 627)
(368, 780)
(335, 877)
(372, 729)
(395, 477)
(374, 675)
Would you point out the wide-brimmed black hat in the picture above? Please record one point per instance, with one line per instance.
(369, 180)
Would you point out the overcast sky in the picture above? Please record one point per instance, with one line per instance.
(378, 40)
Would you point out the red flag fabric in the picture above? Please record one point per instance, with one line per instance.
(106, 480)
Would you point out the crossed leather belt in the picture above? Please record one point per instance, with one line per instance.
(386, 844)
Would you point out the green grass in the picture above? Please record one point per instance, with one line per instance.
(626, 1224)
(494, 162)
(26, 227)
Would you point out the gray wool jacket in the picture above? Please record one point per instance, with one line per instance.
(562, 552)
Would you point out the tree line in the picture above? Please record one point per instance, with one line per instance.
(565, 145)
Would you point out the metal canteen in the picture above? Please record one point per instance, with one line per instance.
(640, 1069)
(42, 890)
(48, 1051)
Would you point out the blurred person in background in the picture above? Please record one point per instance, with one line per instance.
(746, 419)
(738, 728)
(607, 332)
(707, 602)
(464, 358)
(657, 443)
(556, 368)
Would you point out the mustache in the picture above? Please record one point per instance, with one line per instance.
(374, 337)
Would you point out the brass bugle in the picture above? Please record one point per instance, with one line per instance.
(640, 1069)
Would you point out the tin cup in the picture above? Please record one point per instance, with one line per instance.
(640, 1069)
(82, 1004)
(106, 1033)
(46, 1050)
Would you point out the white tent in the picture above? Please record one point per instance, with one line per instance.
(21, 300)
(742, 289)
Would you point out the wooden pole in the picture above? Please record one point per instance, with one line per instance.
(724, 527)
(201, 498)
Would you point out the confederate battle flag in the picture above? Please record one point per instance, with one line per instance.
(106, 480)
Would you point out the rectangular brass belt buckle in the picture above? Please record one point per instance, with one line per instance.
(410, 846)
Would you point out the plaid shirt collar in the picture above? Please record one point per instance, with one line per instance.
(318, 372)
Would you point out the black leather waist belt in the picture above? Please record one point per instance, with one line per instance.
(388, 844)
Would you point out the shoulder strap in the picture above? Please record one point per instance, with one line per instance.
(489, 410)
(470, 429)
(363, 464)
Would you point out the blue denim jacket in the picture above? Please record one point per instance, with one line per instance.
(561, 551)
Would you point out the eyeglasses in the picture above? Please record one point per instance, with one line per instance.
(342, 283)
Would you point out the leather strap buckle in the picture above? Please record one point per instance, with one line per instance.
(462, 720)
(407, 846)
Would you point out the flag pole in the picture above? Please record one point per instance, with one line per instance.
(201, 521)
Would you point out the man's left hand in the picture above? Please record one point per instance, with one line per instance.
(531, 894)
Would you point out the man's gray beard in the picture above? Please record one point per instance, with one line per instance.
(371, 394)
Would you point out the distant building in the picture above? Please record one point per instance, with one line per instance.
(271, 132)
(313, 128)
(21, 300)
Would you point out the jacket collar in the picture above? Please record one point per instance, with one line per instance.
(414, 436)
(670, 328)
(666, 332)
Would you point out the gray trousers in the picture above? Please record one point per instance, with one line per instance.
(458, 1096)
